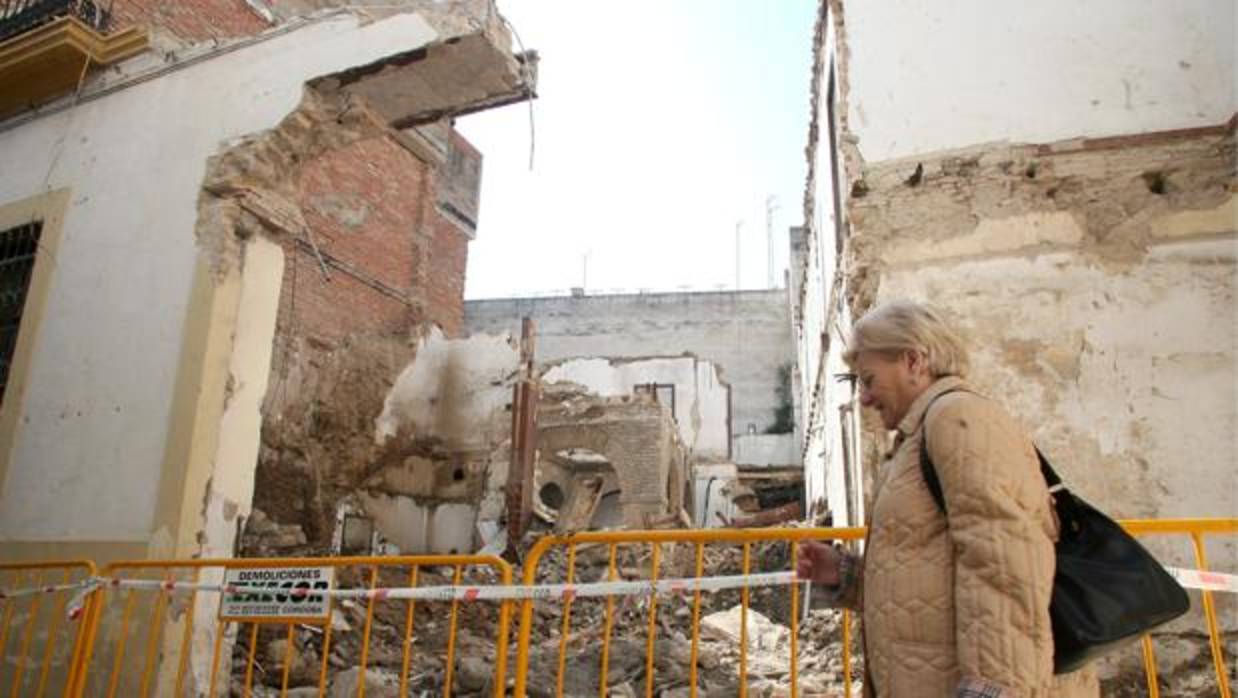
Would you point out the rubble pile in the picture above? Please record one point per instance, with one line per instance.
(474, 642)
(1184, 666)
(718, 651)
(820, 670)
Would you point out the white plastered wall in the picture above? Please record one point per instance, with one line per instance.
(931, 76)
(86, 459)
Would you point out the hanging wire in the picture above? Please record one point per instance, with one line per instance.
(526, 75)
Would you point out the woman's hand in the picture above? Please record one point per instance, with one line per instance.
(818, 562)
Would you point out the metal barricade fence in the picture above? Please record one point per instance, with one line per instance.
(612, 543)
(1195, 530)
(162, 628)
(178, 627)
(40, 645)
(615, 546)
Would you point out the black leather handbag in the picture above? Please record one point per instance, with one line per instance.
(1108, 589)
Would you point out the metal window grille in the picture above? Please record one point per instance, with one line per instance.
(20, 16)
(18, 248)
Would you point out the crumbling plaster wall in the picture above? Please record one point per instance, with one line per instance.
(1067, 257)
(100, 394)
(1095, 270)
(1060, 182)
(828, 421)
(701, 399)
(453, 391)
(1096, 286)
(354, 287)
(444, 436)
(366, 270)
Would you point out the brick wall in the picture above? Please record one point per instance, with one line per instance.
(446, 260)
(362, 203)
(392, 259)
(190, 20)
(639, 441)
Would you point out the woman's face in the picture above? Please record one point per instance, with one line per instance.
(889, 384)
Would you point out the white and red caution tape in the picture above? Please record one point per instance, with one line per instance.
(1191, 579)
(687, 585)
(1202, 579)
(6, 594)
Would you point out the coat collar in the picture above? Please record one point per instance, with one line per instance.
(915, 414)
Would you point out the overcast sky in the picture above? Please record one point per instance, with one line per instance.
(660, 125)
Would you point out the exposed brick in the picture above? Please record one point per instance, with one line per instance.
(370, 206)
(191, 21)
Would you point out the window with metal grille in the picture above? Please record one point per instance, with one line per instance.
(18, 247)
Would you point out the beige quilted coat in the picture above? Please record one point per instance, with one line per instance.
(968, 598)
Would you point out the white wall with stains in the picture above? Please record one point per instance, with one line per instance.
(930, 76)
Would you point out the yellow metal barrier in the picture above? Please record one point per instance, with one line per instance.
(143, 641)
(1196, 530)
(40, 647)
(614, 543)
(147, 641)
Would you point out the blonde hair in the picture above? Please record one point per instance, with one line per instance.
(903, 325)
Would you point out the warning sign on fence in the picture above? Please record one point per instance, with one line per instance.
(275, 593)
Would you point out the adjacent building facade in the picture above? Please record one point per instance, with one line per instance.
(1060, 181)
(203, 207)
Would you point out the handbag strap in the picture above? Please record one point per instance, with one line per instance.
(929, 472)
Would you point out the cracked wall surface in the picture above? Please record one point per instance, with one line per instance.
(1037, 247)
(1095, 283)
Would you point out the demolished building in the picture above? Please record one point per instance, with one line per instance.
(439, 469)
(226, 223)
(723, 362)
(746, 334)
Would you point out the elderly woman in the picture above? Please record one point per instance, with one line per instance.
(957, 604)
